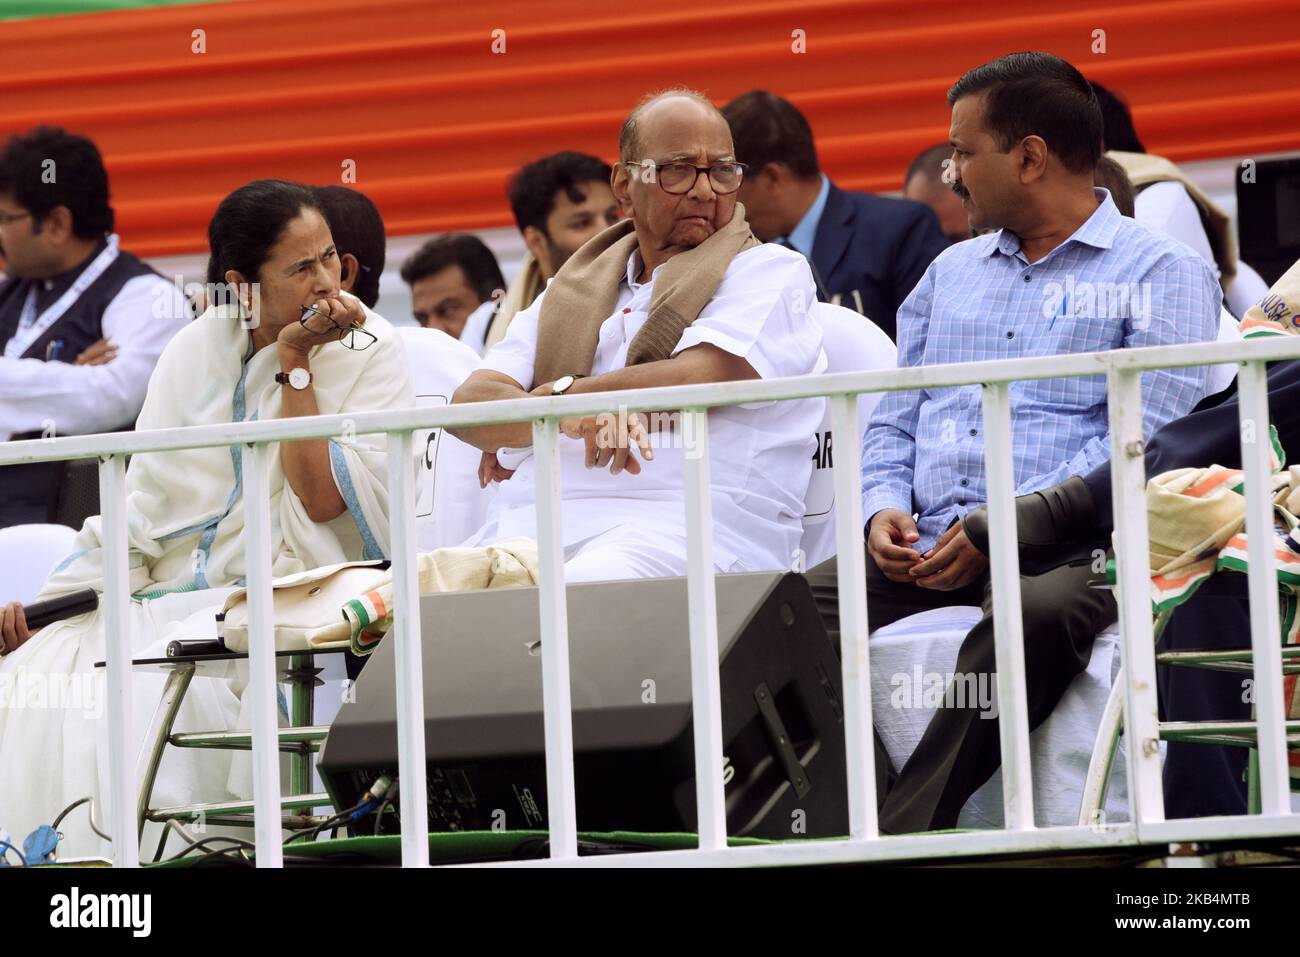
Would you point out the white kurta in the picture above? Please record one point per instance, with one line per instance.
(185, 521)
(623, 526)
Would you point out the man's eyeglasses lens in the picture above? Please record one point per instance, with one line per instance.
(680, 177)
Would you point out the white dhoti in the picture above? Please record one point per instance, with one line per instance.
(53, 729)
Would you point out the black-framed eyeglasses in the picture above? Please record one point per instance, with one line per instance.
(679, 178)
(7, 218)
(352, 337)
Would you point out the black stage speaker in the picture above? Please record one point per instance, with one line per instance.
(629, 656)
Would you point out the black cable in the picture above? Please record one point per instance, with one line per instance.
(162, 845)
(90, 811)
(227, 856)
(343, 816)
(328, 822)
(168, 826)
(389, 795)
(68, 810)
(198, 845)
(379, 815)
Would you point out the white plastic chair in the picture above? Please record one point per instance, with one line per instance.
(852, 343)
(1221, 376)
(908, 652)
(450, 506)
(28, 553)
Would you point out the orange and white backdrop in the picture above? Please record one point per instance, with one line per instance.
(427, 105)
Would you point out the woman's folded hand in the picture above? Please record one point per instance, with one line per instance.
(326, 322)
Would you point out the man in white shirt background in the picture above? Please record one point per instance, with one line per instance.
(69, 288)
(559, 202)
(1177, 208)
(455, 284)
(622, 509)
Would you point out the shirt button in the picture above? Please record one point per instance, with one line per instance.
(961, 501)
(1010, 334)
(963, 482)
(974, 432)
(1027, 277)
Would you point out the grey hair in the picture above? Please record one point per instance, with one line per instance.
(629, 137)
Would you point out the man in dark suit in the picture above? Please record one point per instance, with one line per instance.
(867, 252)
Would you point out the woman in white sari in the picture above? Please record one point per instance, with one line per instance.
(241, 360)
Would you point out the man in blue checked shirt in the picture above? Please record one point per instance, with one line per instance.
(1064, 272)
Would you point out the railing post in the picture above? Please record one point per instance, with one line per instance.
(1008, 625)
(702, 599)
(561, 812)
(1265, 628)
(851, 569)
(122, 784)
(1133, 567)
(412, 796)
(261, 658)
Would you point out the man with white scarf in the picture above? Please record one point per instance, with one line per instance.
(680, 293)
(291, 344)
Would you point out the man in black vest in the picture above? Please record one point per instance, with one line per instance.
(68, 286)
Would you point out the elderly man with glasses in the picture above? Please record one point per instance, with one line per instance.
(680, 293)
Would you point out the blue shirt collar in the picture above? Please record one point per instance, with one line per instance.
(1098, 230)
(804, 235)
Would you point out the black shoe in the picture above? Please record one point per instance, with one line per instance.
(1045, 522)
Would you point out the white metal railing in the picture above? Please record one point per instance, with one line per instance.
(1122, 368)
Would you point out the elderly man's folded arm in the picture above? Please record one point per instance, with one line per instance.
(700, 363)
(486, 385)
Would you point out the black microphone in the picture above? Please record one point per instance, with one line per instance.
(42, 613)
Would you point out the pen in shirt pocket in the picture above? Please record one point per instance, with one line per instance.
(1063, 311)
(54, 350)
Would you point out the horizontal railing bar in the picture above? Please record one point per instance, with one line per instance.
(669, 397)
(292, 737)
(1179, 730)
(1242, 655)
(1222, 828)
(917, 847)
(1229, 666)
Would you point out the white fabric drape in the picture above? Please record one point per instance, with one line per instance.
(185, 518)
